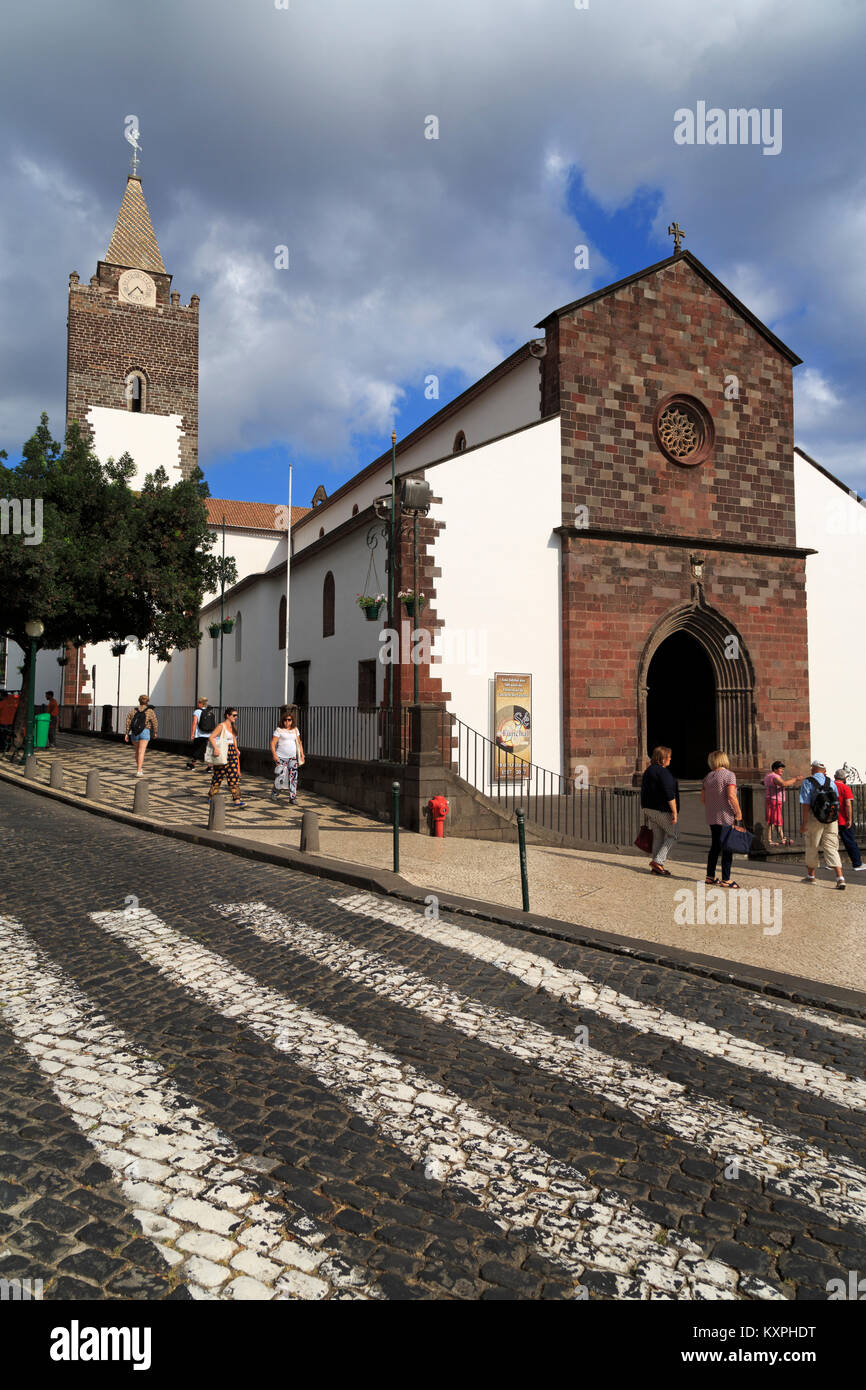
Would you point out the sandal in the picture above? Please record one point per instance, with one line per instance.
(729, 884)
(714, 881)
(657, 869)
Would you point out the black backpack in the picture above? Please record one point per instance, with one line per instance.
(825, 806)
(139, 720)
(207, 720)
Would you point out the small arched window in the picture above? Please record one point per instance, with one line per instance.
(328, 596)
(136, 393)
(238, 638)
(459, 442)
(281, 625)
(321, 531)
(355, 509)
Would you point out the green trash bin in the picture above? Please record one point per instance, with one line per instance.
(42, 723)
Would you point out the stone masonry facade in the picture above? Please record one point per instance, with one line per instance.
(108, 339)
(633, 520)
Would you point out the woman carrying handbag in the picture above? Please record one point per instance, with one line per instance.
(224, 756)
(724, 817)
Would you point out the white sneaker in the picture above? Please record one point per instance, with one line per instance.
(810, 878)
(860, 868)
(140, 773)
(840, 883)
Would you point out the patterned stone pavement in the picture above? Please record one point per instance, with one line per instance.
(221, 1079)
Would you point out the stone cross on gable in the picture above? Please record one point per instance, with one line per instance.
(676, 231)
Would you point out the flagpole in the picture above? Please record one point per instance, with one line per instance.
(288, 590)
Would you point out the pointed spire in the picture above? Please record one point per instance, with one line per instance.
(133, 243)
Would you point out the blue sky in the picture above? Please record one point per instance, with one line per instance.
(306, 128)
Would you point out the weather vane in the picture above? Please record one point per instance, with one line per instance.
(676, 231)
(130, 133)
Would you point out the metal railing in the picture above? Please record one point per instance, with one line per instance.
(791, 811)
(328, 731)
(605, 815)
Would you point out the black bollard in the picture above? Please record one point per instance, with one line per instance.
(524, 875)
(395, 787)
(310, 832)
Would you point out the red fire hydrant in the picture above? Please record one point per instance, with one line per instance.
(438, 808)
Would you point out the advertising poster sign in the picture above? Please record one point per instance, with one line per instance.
(512, 726)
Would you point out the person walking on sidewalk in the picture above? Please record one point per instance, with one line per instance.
(819, 823)
(846, 820)
(288, 753)
(8, 709)
(231, 769)
(660, 803)
(203, 724)
(54, 711)
(719, 795)
(141, 727)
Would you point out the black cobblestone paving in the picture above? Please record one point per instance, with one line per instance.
(65, 1220)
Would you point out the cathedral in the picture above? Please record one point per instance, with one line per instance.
(622, 535)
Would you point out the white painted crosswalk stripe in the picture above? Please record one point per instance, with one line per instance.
(191, 1191)
(578, 990)
(520, 1185)
(847, 1027)
(832, 1186)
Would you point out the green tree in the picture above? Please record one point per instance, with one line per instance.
(111, 562)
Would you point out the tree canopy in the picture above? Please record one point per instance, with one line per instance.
(111, 562)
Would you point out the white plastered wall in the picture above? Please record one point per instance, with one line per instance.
(831, 521)
(499, 593)
(153, 441)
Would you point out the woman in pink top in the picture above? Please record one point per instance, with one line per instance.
(719, 795)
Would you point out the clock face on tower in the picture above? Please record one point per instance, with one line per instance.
(136, 287)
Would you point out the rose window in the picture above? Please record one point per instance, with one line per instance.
(683, 430)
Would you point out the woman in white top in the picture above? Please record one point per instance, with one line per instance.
(288, 754)
(231, 770)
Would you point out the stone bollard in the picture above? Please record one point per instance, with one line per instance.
(30, 766)
(310, 832)
(57, 776)
(93, 793)
(216, 814)
(141, 800)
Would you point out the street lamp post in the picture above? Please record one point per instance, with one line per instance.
(223, 608)
(34, 629)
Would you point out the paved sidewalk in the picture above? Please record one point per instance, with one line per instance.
(822, 934)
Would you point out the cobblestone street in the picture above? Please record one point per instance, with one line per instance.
(221, 1079)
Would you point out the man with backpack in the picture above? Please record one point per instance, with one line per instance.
(141, 727)
(204, 721)
(819, 822)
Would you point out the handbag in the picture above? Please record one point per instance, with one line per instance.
(221, 756)
(644, 841)
(738, 841)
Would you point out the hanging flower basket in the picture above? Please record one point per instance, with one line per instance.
(228, 624)
(412, 602)
(118, 648)
(371, 603)
(214, 629)
(63, 661)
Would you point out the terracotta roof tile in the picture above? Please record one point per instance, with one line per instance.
(134, 243)
(252, 516)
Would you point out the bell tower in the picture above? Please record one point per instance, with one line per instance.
(132, 351)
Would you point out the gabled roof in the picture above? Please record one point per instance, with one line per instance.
(248, 516)
(133, 242)
(705, 275)
(855, 496)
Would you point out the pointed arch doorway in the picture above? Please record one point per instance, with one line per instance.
(696, 692)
